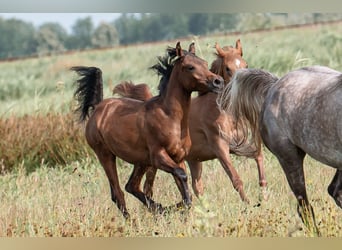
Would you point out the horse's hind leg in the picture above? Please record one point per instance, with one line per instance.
(149, 181)
(107, 160)
(133, 187)
(335, 188)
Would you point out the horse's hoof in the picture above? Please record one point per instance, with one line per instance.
(156, 208)
(264, 195)
(127, 216)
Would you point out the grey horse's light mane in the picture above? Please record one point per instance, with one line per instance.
(243, 97)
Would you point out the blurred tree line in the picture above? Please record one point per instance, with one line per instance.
(19, 38)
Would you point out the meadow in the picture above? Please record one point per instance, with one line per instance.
(52, 185)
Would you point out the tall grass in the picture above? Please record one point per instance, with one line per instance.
(35, 85)
(75, 201)
(52, 185)
(53, 139)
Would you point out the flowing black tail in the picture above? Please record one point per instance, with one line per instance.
(89, 90)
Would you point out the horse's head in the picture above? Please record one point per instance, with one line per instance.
(229, 59)
(193, 72)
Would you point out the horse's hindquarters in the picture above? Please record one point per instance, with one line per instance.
(115, 125)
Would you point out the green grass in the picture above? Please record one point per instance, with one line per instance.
(45, 84)
(73, 199)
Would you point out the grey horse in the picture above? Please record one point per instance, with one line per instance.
(298, 114)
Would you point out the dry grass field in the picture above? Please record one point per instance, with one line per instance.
(58, 188)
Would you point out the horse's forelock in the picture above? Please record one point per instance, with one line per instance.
(216, 66)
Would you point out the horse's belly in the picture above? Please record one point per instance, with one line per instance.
(327, 150)
(139, 156)
(201, 153)
(319, 134)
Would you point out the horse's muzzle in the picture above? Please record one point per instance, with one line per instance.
(217, 84)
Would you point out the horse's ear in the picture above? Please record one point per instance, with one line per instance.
(238, 46)
(219, 50)
(192, 48)
(179, 51)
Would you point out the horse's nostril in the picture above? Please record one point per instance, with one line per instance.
(218, 82)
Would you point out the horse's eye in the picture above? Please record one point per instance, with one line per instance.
(228, 70)
(190, 67)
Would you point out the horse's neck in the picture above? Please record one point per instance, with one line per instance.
(176, 102)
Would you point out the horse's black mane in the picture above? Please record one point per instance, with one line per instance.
(164, 67)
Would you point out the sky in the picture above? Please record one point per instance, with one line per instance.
(67, 20)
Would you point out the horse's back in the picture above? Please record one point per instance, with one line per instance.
(305, 107)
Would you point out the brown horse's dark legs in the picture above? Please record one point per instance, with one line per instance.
(133, 187)
(196, 177)
(114, 199)
(182, 186)
(107, 160)
(335, 188)
(148, 185)
(163, 161)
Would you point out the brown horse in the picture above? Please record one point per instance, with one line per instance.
(153, 133)
(212, 132)
(299, 114)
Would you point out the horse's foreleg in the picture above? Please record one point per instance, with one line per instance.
(196, 176)
(222, 153)
(259, 158)
(335, 188)
(261, 170)
(182, 187)
(164, 162)
(133, 187)
(149, 181)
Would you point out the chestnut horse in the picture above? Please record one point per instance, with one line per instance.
(153, 133)
(299, 114)
(212, 132)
